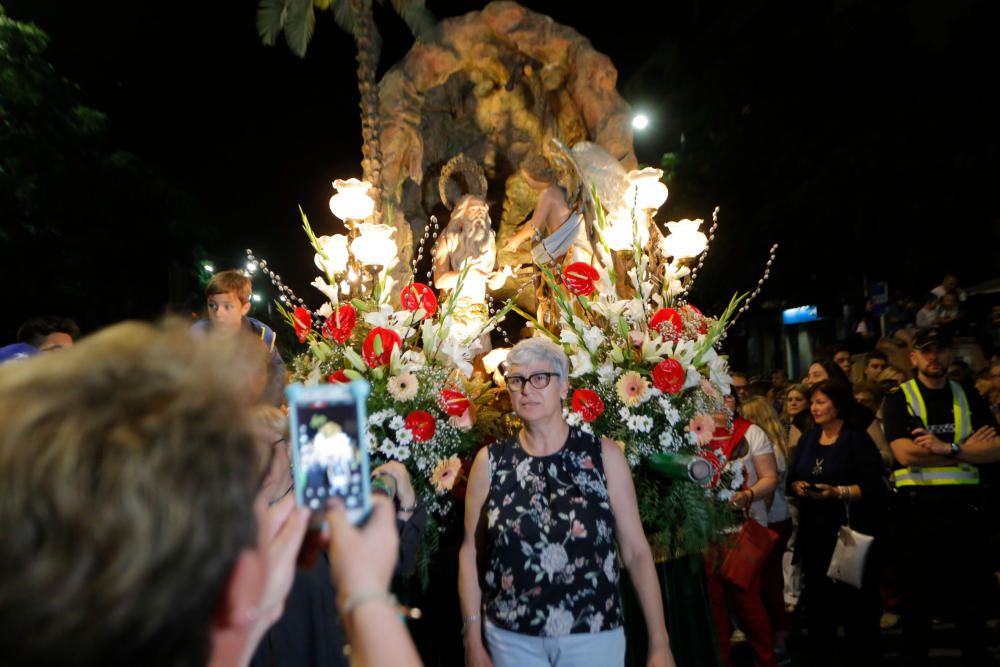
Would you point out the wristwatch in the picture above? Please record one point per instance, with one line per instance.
(955, 450)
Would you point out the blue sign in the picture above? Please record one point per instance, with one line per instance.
(799, 315)
(879, 294)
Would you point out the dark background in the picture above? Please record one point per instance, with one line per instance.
(861, 136)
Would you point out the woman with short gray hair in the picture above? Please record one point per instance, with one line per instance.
(547, 513)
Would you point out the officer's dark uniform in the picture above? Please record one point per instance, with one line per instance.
(940, 526)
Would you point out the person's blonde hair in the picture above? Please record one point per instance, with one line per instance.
(128, 474)
(757, 410)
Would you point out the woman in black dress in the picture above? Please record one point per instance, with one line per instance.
(837, 467)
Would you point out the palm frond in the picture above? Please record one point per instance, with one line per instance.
(343, 15)
(271, 16)
(300, 25)
(417, 17)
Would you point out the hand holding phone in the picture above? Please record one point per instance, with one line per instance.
(329, 457)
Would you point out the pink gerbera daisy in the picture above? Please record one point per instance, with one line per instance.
(703, 426)
(632, 388)
(445, 474)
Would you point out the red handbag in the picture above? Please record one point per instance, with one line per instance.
(746, 554)
(745, 557)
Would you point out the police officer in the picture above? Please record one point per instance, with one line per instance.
(940, 432)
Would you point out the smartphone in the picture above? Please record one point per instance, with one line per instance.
(329, 456)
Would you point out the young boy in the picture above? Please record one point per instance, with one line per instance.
(228, 294)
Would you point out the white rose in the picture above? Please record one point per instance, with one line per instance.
(553, 559)
(559, 623)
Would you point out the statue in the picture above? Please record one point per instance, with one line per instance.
(468, 240)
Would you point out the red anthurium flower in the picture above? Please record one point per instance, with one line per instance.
(421, 424)
(580, 277)
(454, 402)
(338, 377)
(664, 315)
(303, 321)
(588, 404)
(716, 464)
(419, 295)
(379, 356)
(340, 325)
(703, 325)
(668, 376)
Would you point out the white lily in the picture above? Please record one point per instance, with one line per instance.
(692, 378)
(326, 310)
(609, 307)
(592, 339)
(581, 363)
(329, 291)
(568, 336)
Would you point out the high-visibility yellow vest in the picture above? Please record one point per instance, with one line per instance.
(961, 474)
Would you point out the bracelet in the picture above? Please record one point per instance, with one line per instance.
(468, 621)
(358, 599)
(412, 508)
(752, 496)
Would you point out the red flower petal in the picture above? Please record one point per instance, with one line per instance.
(668, 376)
(454, 402)
(419, 295)
(664, 315)
(388, 339)
(303, 322)
(421, 424)
(580, 277)
(588, 404)
(340, 325)
(338, 377)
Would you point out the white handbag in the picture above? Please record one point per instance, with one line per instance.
(849, 555)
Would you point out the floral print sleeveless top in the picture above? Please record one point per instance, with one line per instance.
(551, 561)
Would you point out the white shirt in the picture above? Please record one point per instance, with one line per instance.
(759, 445)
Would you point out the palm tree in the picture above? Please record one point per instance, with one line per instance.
(297, 20)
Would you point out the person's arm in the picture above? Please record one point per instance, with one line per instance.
(536, 220)
(362, 560)
(635, 553)
(411, 516)
(980, 447)
(469, 593)
(283, 527)
(767, 480)
(875, 432)
(765, 465)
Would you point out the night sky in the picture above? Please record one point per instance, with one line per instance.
(861, 136)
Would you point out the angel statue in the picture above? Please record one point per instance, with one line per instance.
(468, 239)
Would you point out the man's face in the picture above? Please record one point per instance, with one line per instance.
(740, 387)
(226, 312)
(55, 341)
(873, 369)
(843, 359)
(932, 361)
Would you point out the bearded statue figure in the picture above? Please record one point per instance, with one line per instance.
(468, 240)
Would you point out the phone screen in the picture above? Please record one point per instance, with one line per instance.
(329, 459)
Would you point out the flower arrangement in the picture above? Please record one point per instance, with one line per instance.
(422, 409)
(646, 372)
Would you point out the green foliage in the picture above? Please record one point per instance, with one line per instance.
(678, 516)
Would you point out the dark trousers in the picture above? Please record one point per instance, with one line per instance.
(943, 566)
(830, 604)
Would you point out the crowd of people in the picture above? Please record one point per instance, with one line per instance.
(147, 513)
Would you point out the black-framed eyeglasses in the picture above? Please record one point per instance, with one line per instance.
(538, 380)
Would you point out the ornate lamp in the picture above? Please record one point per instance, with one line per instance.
(645, 189)
(684, 240)
(352, 201)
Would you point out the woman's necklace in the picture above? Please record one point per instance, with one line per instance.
(818, 467)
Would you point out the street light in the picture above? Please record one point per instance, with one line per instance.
(640, 121)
